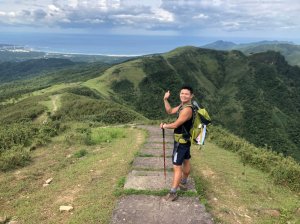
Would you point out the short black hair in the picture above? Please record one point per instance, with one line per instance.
(188, 88)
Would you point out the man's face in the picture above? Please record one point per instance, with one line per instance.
(185, 95)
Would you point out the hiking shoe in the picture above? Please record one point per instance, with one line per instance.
(183, 187)
(171, 196)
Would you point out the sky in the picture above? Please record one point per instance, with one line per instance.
(217, 19)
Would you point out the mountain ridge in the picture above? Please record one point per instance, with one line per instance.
(255, 96)
(290, 50)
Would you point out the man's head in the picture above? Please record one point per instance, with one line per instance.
(188, 88)
(186, 94)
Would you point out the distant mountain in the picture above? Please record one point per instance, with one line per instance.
(220, 45)
(289, 50)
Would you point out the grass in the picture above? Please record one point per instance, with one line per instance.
(92, 181)
(87, 182)
(100, 135)
(129, 70)
(238, 194)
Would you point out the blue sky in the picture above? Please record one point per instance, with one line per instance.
(257, 19)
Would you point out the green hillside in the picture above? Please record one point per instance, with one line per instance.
(256, 97)
(11, 71)
(291, 52)
(44, 81)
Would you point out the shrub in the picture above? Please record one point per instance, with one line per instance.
(16, 134)
(16, 157)
(80, 153)
(287, 173)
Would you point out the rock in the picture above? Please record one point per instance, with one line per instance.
(65, 208)
(3, 219)
(13, 222)
(45, 185)
(49, 181)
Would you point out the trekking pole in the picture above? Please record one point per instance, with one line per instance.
(164, 151)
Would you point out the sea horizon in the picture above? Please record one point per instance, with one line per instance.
(110, 45)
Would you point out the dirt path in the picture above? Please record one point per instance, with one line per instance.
(54, 100)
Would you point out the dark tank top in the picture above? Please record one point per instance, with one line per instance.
(185, 128)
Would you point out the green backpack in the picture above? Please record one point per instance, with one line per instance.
(201, 120)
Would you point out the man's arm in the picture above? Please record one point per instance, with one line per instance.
(184, 115)
(168, 107)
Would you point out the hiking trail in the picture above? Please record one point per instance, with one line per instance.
(147, 174)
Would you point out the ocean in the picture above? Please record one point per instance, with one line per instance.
(98, 44)
(101, 44)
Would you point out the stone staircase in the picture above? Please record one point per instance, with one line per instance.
(147, 174)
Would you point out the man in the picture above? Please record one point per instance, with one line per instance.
(182, 144)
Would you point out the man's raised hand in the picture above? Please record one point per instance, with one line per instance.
(167, 95)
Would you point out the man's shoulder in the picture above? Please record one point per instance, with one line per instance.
(187, 108)
(187, 105)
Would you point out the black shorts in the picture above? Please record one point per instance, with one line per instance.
(180, 153)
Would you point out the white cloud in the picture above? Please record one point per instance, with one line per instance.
(53, 8)
(155, 15)
(163, 15)
(200, 16)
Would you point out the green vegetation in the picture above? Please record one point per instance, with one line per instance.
(290, 51)
(67, 123)
(80, 153)
(75, 107)
(13, 158)
(78, 73)
(84, 183)
(11, 71)
(100, 135)
(284, 171)
(236, 193)
(255, 97)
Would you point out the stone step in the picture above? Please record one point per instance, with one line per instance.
(148, 180)
(155, 129)
(157, 145)
(152, 163)
(157, 152)
(158, 139)
(155, 210)
(153, 180)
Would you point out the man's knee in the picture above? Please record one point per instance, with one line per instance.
(177, 168)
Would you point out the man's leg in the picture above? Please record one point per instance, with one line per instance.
(185, 174)
(177, 159)
(176, 176)
(186, 169)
